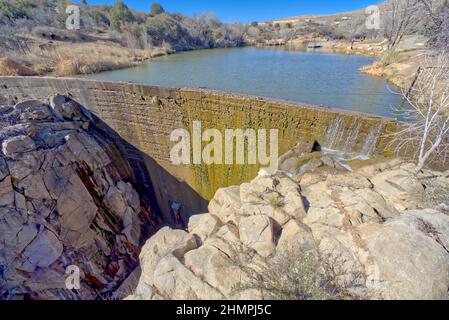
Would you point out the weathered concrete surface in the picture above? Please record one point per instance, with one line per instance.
(144, 116)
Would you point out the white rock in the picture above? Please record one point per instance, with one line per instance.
(350, 180)
(296, 236)
(165, 242)
(257, 232)
(204, 225)
(408, 261)
(212, 264)
(174, 280)
(399, 187)
(225, 203)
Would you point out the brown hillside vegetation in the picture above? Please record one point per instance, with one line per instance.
(9, 67)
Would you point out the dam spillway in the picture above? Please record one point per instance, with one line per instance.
(144, 116)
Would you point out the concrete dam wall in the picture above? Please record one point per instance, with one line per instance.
(143, 117)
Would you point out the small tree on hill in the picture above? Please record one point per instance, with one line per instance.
(120, 15)
(399, 18)
(437, 24)
(156, 9)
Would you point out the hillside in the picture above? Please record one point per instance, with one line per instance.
(34, 34)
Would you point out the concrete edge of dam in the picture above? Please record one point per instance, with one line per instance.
(143, 116)
(163, 89)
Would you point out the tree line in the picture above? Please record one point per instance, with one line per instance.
(136, 29)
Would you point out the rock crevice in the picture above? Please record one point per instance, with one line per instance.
(65, 201)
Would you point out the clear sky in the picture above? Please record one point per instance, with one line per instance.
(249, 10)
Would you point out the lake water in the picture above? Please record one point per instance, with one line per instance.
(317, 78)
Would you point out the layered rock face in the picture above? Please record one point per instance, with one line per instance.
(372, 226)
(66, 204)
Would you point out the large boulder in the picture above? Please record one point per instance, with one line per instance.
(204, 225)
(212, 263)
(172, 279)
(410, 259)
(257, 232)
(400, 187)
(45, 249)
(165, 242)
(225, 203)
(296, 237)
(76, 207)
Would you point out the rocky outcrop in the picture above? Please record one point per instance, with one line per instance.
(65, 201)
(371, 226)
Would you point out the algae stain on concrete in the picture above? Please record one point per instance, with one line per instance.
(144, 116)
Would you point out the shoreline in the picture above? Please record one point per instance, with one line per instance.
(121, 58)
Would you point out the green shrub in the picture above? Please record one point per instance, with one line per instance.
(13, 11)
(120, 15)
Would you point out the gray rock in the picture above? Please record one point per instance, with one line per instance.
(115, 203)
(45, 249)
(76, 207)
(18, 144)
(66, 108)
(6, 192)
(4, 170)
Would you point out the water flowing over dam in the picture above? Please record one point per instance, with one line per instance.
(142, 117)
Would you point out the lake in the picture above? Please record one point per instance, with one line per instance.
(313, 77)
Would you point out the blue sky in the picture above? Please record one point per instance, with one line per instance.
(249, 10)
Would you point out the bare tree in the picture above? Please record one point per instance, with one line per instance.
(437, 23)
(399, 17)
(425, 130)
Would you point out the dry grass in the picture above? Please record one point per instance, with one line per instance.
(9, 67)
(86, 58)
(437, 191)
(65, 59)
(71, 65)
(397, 67)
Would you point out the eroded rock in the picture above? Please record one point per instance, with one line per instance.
(18, 144)
(365, 240)
(54, 208)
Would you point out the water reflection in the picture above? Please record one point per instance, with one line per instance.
(314, 77)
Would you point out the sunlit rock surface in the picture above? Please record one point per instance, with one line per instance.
(376, 225)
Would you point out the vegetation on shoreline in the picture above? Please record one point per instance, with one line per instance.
(34, 35)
